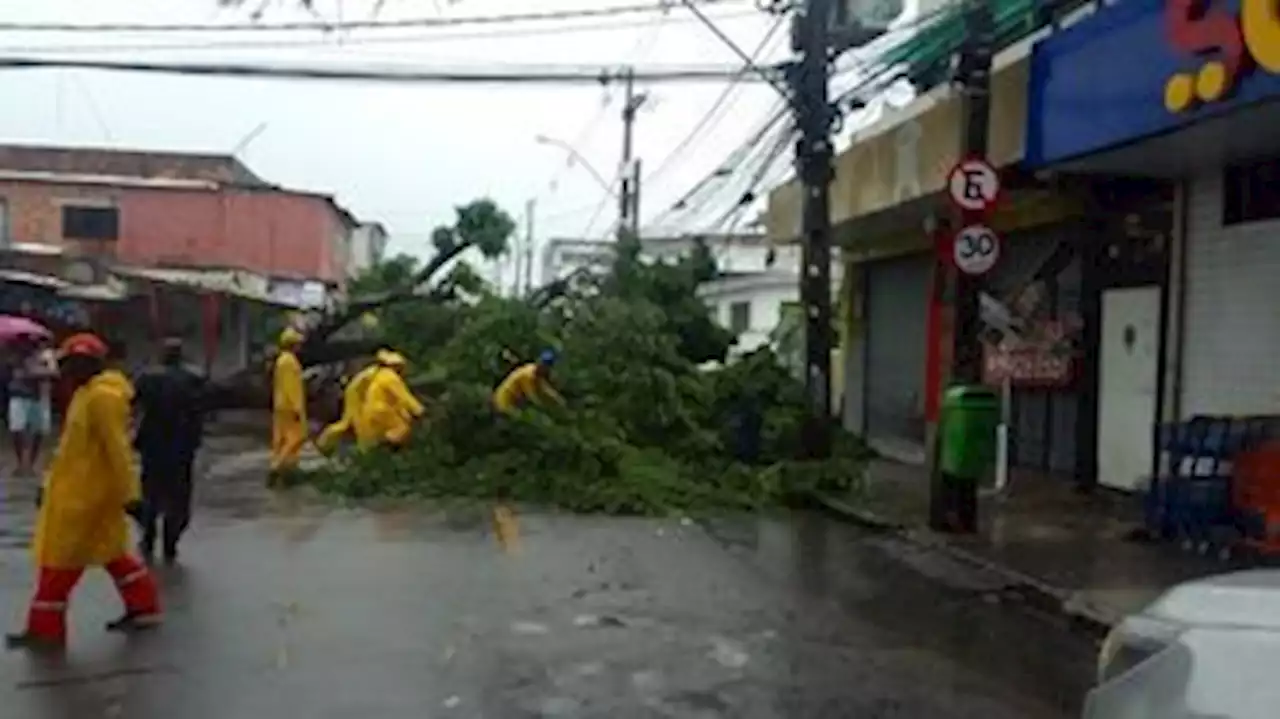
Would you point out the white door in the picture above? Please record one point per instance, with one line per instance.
(1127, 386)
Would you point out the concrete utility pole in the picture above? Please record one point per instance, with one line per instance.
(529, 209)
(973, 75)
(629, 198)
(635, 198)
(814, 118)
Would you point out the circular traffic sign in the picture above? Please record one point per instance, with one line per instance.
(974, 185)
(976, 249)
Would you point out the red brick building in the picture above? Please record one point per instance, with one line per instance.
(169, 209)
(145, 243)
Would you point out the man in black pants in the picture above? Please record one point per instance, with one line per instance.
(171, 400)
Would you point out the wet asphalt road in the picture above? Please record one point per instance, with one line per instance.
(284, 606)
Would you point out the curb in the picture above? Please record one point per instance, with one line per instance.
(859, 515)
(1089, 617)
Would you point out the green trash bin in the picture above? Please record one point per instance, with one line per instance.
(970, 418)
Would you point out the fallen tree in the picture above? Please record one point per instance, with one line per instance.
(647, 427)
(480, 226)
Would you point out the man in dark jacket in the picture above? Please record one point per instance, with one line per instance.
(171, 399)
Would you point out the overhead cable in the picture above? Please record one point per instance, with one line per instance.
(445, 35)
(712, 113)
(351, 73)
(327, 26)
(748, 63)
(729, 165)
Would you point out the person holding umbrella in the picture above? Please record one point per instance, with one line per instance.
(29, 388)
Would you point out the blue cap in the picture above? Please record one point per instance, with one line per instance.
(547, 357)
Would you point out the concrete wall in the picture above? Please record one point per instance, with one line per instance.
(765, 294)
(368, 243)
(269, 232)
(908, 154)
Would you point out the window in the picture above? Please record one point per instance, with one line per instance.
(740, 317)
(1251, 192)
(90, 223)
(4, 223)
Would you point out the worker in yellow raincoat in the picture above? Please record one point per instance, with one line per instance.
(527, 383)
(352, 410)
(89, 491)
(389, 406)
(288, 405)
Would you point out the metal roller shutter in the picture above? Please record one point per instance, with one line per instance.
(897, 301)
(1043, 420)
(1231, 330)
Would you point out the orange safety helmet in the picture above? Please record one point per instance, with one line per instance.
(85, 344)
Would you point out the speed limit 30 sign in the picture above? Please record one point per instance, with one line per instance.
(975, 249)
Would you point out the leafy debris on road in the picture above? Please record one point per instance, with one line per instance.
(655, 422)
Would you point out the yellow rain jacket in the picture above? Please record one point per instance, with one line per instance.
(352, 409)
(91, 479)
(522, 385)
(288, 411)
(389, 409)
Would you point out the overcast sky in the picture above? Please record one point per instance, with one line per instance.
(400, 154)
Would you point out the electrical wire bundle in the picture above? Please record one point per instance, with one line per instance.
(722, 200)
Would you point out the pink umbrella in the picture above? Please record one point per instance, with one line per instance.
(13, 327)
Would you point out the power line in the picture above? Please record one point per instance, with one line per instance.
(876, 76)
(545, 76)
(604, 202)
(434, 38)
(748, 63)
(737, 192)
(712, 113)
(324, 26)
(730, 164)
(640, 50)
(748, 195)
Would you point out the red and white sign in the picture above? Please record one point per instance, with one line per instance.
(974, 185)
(975, 249)
(1026, 366)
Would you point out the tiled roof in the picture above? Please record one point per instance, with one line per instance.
(223, 169)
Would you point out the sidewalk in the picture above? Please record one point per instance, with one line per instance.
(1063, 547)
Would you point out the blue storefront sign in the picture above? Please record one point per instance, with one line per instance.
(1141, 68)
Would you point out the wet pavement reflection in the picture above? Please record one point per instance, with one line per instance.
(287, 604)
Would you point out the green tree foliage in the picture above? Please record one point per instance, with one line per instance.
(645, 429)
(479, 225)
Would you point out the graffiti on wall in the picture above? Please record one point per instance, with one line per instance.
(43, 305)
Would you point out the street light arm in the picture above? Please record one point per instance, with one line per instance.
(577, 157)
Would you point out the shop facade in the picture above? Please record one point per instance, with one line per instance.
(1188, 325)
(890, 211)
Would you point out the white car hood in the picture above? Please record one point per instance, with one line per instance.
(1206, 674)
(1249, 598)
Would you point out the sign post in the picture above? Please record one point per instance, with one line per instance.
(973, 186)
